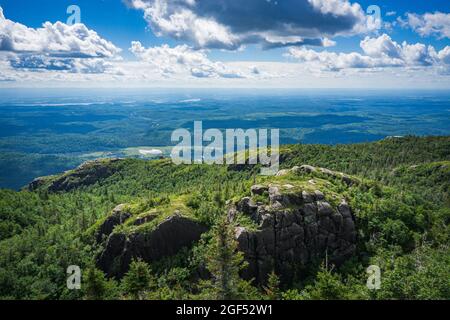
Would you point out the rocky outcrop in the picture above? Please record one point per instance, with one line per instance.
(295, 228)
(118, 216)
(167, 239)
(37, 183)
(348, 180)
(86, 174)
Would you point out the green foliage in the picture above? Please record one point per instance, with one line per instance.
(272, 289)
(327, 286)
(423, 274)
(401, 203)
(97, 287)
(225, 262)
(137, 280)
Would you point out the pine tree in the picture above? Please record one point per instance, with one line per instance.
(96, 286)
(137, 280)
(225, 262)
(273, 287)
(328, 285)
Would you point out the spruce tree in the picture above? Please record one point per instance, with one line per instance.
(137, 280)
(225, 261)
(273, 287)
(96, 286)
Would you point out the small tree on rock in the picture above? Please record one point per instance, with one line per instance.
(137, 280)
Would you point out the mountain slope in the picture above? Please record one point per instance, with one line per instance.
(399, 198)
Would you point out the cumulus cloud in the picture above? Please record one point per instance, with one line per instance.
(36, 62)
(182, 59)
(231, 24)
(410, 54)
(429, 24)
(56, 39)
(56, 47)
(444, 55)
(331, 61)
(381, 52)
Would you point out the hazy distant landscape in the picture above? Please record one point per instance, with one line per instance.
(46, 132)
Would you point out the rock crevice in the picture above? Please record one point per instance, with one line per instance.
(294, 230)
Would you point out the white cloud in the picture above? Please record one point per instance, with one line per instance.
(444, 55)
(429, 24)
(410, 54)
(139, 74)
(231, 24)
(57, 47)
(56, 39)
(182, 59)
(36, 62)
(331, 61)
(381, 52)
(61, 55)
(382, 46)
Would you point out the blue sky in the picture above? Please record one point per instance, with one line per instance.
(321, 47)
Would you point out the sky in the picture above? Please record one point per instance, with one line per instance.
(225, 43)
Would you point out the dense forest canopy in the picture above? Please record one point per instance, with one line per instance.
(401, 204)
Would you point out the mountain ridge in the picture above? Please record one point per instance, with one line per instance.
(399, 201)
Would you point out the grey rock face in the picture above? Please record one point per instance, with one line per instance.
(86, 174)
(258, 189)
(118, 216)
(295, 230)
(247, 205)
(306, 168)
(36, 184)
(142, 220)
(165, 240)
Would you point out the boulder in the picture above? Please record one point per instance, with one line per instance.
(282, 173)
(259, 189)
(319, 195)
(247, 205)
(306, 168)
(167, 239)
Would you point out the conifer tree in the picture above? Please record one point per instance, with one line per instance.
(137, 280)
(273, 287)
(225, 262)
(96, 286)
